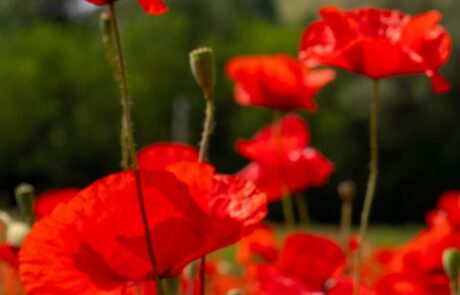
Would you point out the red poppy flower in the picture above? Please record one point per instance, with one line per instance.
(277, 81)
(378, 43)
(159, 155)
(401, 284)
(150, 6)
(47, 201)
(261, 243)
(95, 244)
(282, 159)
(422, 257)
(448, 210)
(9, 255)
(344, 286)
(306, 263)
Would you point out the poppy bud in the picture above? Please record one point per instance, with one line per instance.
(25, 197)
(203, 69)
(347, 190)
(451, 262)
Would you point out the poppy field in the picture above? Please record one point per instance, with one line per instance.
(227, 201)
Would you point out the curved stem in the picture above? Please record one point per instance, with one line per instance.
(371, 184)
(128, 139)
(204, 147)
(286, 199)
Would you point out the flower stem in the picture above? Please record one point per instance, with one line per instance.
(371, 184)
(204, 147)
(128, 140)
(207, 130)
(286, 199)
(302, 209)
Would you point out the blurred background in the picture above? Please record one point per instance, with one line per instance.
(60, 113)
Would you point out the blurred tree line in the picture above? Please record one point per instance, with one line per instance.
(59, 105)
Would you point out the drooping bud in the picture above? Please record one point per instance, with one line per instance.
(203, 69)
(25, 197)
(347, 190)
(451, 263)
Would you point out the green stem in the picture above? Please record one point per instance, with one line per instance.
(302, 209)
(371, 184)
(204, 147)
(454, 287)
(345, 222)
(286, 200)
(207, 130)
(128, 139)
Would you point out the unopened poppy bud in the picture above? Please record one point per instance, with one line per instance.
(25, 197)
(347, 190)
(203, 69)
(451, 262)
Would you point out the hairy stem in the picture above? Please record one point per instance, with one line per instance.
(371, 184)
(128, 140)
(204, 147)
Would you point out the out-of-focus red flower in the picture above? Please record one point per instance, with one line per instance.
(261, 243)
(9, 277)
(156, 7)
(422, 257)
(8, 254)
(282, 160)
(276, 81)
(47, 201)
(401, 284)
(448, 210)
(378, 43)
(306, 263)
(159, 155)
(95, 243)
(344, 286)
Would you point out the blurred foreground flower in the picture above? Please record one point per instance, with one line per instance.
(47, 201)
(95, 243)
(156, 7)
(276, 81)
(284, 160)
(378, 43)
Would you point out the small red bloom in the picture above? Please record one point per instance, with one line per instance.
(277, 81)
(47, 201)
(422, 257)
(150, 6)
(9, 255)
(306, 263)
(95, 243)
(159, 155)
(401, 284)
(378, 43)
(448, 210)
(282, 159)
(261, 243)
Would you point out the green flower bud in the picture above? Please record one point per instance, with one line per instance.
(25, 197)
(347, 190)
(451, 262)
(203, 69)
